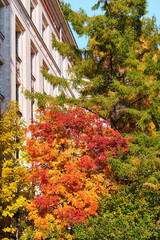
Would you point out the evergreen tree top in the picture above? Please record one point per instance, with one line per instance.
(117, 75)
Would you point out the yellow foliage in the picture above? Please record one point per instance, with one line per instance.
(135, 161)
(152, 129)
(12, 172)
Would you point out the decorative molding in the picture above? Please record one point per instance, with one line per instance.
(57, 18)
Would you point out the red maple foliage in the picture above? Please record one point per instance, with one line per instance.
(69, 154)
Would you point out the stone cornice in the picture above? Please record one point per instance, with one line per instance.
(56, 15)
(6, 2)
(39, 36)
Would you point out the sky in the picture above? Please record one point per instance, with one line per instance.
(153, 9)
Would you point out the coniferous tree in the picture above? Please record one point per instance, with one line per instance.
(117, 76)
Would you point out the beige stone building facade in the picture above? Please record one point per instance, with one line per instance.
(26, 27)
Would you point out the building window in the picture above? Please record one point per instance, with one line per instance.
(1, 102)
(33, 4)
(2, 17)
(45, 83)
(18, 35)
(18, 52)
(32, 91)
(17, 90)
(34, 52)
(18, 43)
(33, 74)
(32, 101)
(1, 49)
(18, 77)
(33, 63)
(44, 28)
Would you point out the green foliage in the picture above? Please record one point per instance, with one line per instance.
(67, 50)
(53, 233)
(13, 186)
(133, 212)
(142, 162)
(123, 216)
(117, 76)
(77, 19)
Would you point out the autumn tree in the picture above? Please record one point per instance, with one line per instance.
(68, 157)
(13, 186)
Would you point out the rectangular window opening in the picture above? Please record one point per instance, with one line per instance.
(33, 4)
(45, 83)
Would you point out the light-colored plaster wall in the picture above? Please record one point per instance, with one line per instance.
(32, 32)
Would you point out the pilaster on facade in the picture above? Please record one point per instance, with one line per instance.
(1, 48)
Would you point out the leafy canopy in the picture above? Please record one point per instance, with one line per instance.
(14, 190)
(68, 157)
(117, 76)
(132, 212)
